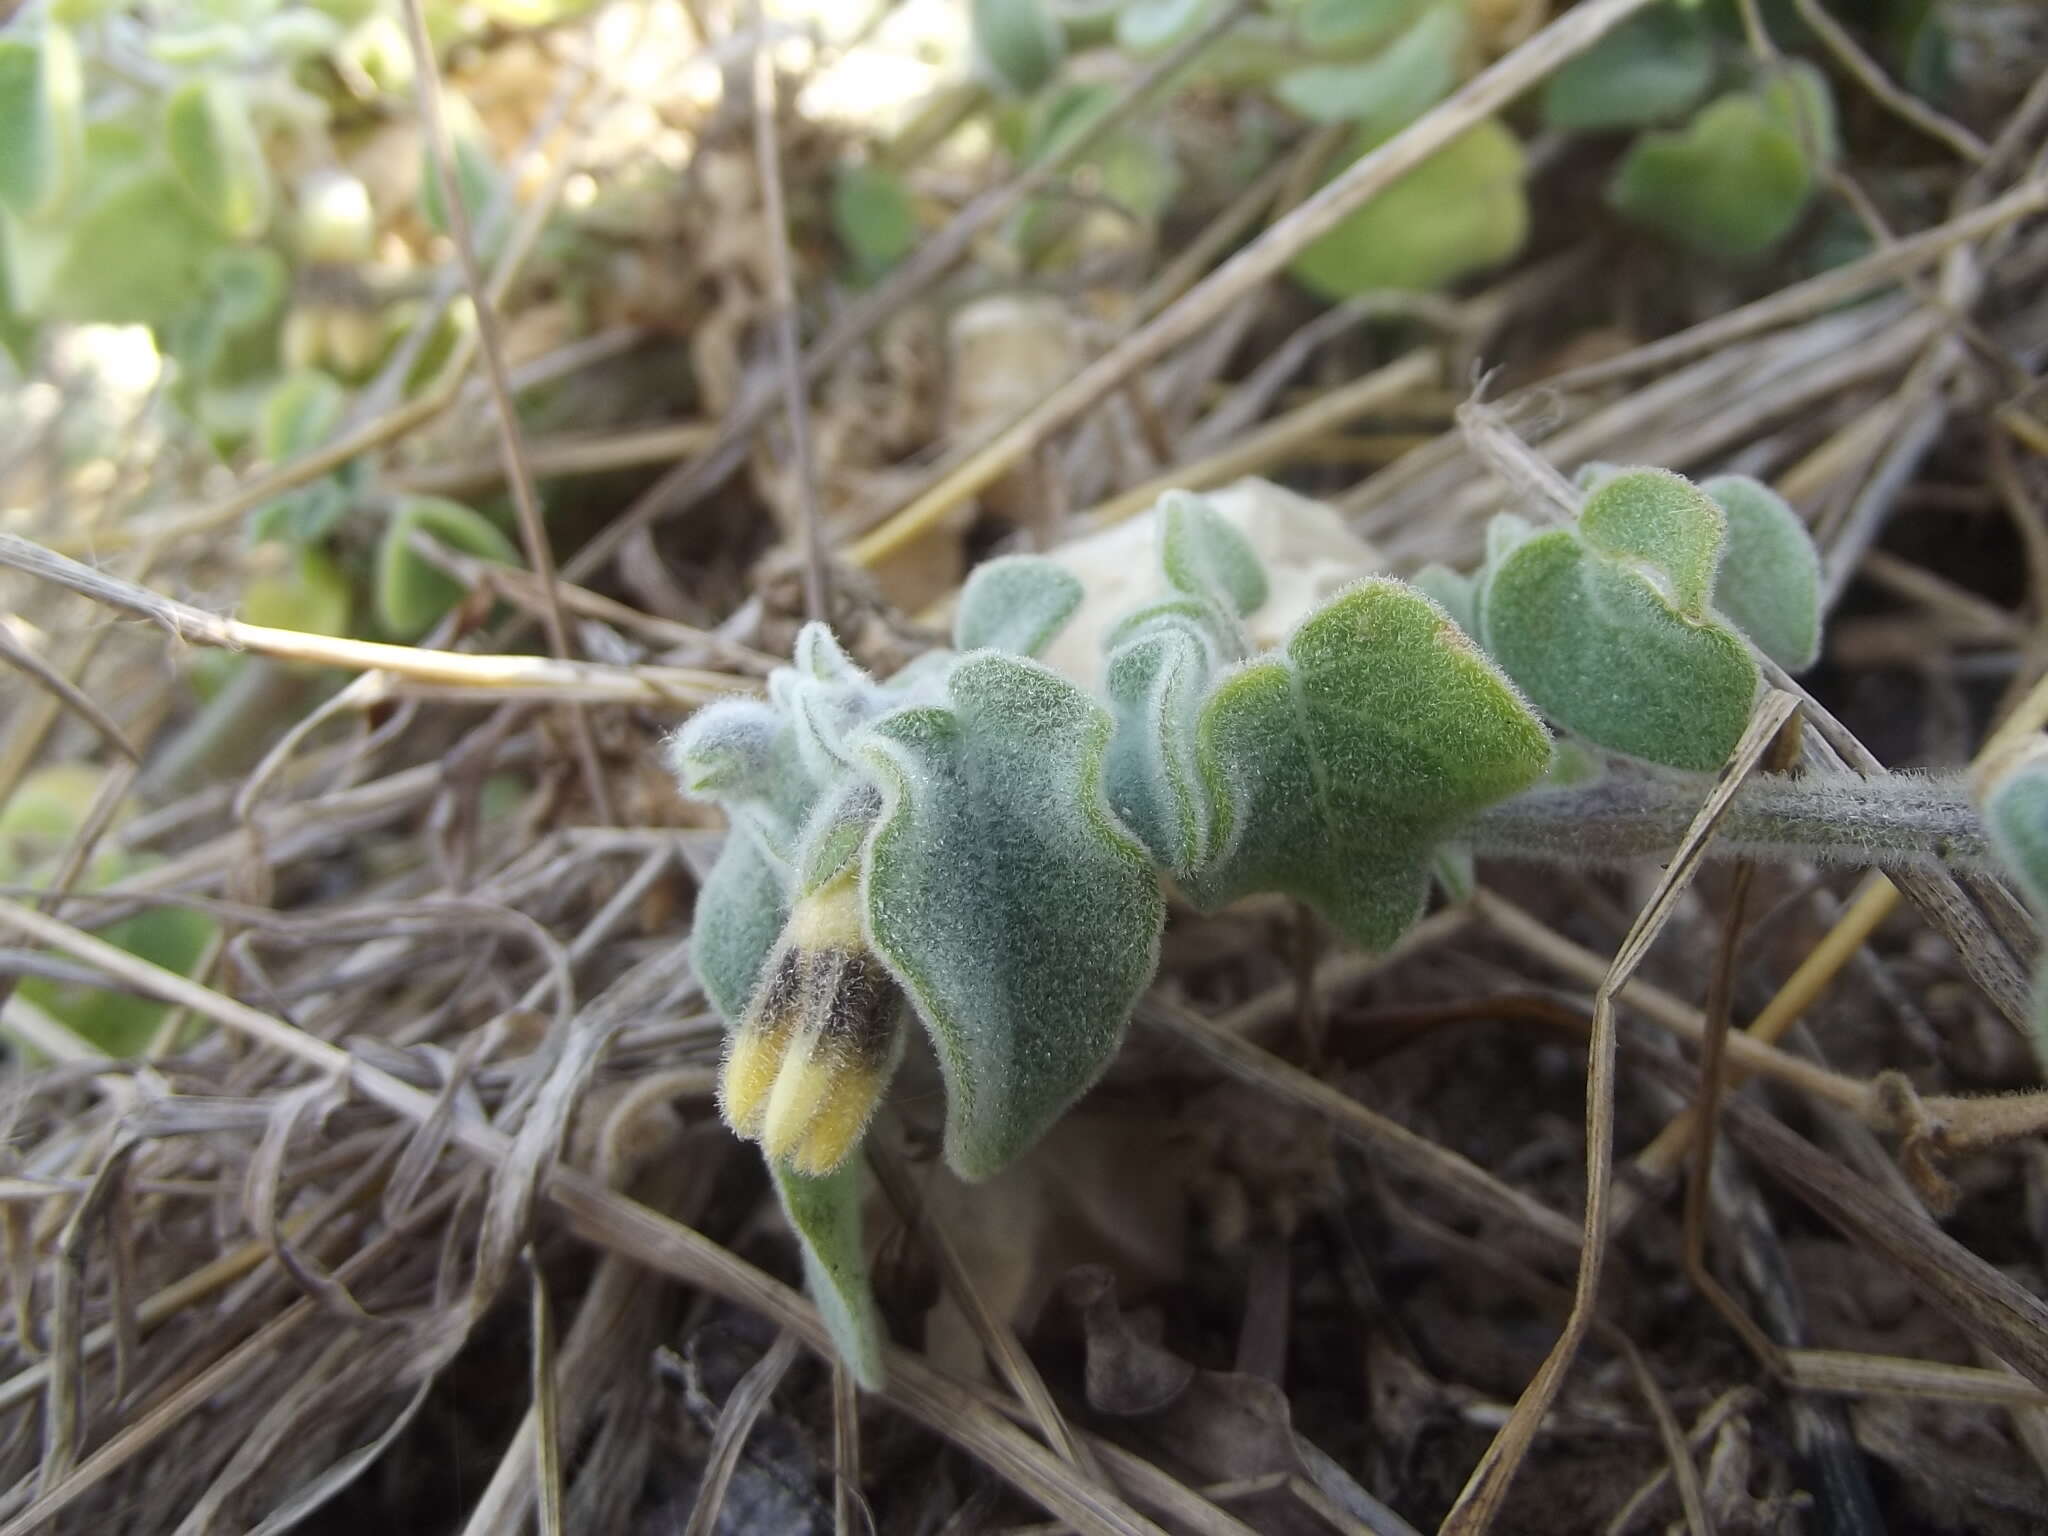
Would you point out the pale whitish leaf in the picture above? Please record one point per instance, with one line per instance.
(825, 1214)
(41, 127)
(1018, 915)
(1769, 581)
(213, 147)
(1389, 90)
(1016, 603)
(1607, 628)
(1340, 765)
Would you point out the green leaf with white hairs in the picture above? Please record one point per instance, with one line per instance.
(1204, 554)
(1769, 581)
(213, 146)
(1339, 766)
(2016, 815)
(741, 755)
(1156, 681)
(1016, 912)
(1451, 591)
(42, 131)
(1018, 43)
(741, 908)
(1607, 627)
(825, 1214)
(1016, 603)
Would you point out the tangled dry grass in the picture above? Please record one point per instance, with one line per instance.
(418, 1214)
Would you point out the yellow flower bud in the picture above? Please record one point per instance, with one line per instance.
(821, 1038)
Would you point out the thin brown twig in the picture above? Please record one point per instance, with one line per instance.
(796, 404)
(533, 533)
(1480, 1501)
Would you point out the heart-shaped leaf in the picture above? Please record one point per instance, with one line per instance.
(1461, 210)
(42, 133)
(1648, 70)
(1607, 626)
(412, 593)
(825, 1213)
(1016, 603)
(1015, 911)
(1769, 581)
(1734, 181)
(213, 147)
(1339, 766)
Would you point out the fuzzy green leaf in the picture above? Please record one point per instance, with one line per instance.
(300, 414)
(741, 755)
(1451, 591)
(1769, 582)
(1016, 603)
(1461, 210)
(1648, 70)
(218, 158)
(1018, 915)
(2016, 816)
(1204, 554)
(1391, 89)
(229, 336)
(413, 594)
(741, 907)
(1664, 526)
(825, 1214)
(1156, 681)
(1018, 42)
(41, 128)
(1607, 628)
(1339, 766)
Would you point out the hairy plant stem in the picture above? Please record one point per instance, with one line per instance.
(1890, 821)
